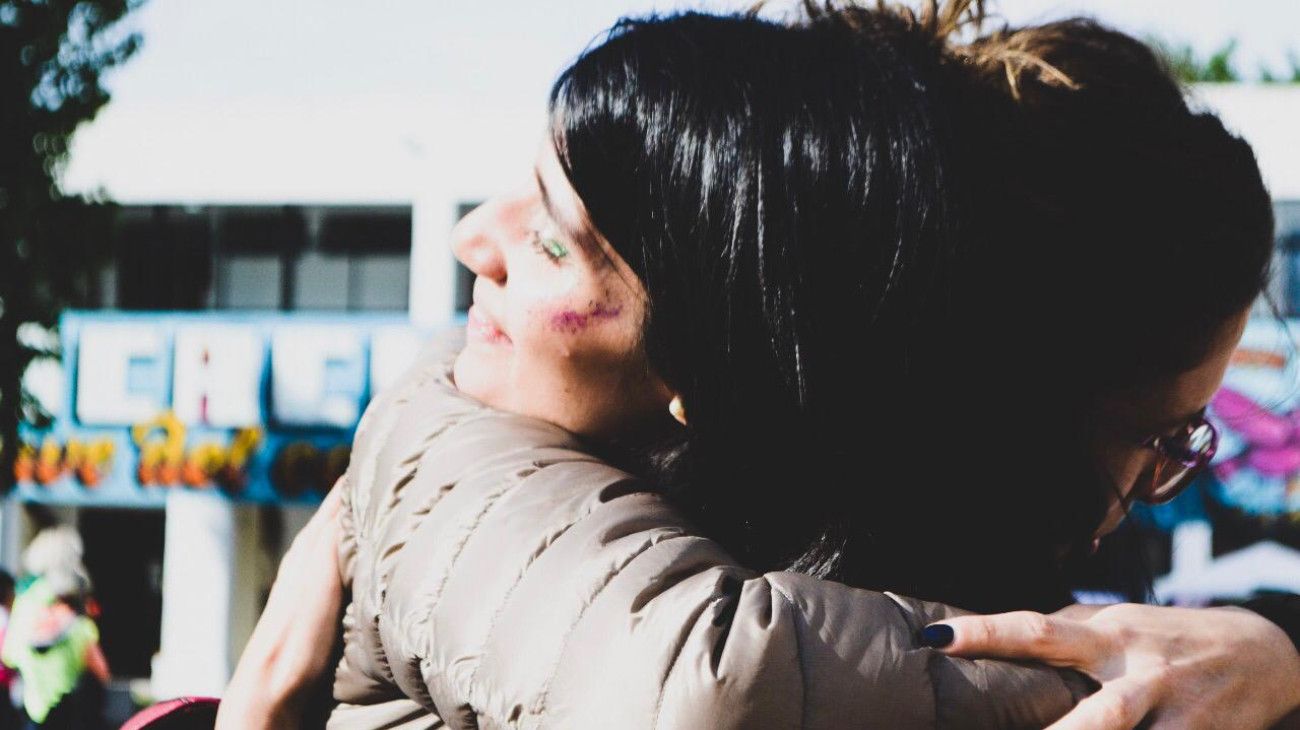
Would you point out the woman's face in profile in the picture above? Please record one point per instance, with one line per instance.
(1132, 417)
(555, 328)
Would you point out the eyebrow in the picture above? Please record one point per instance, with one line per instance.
(549, 204)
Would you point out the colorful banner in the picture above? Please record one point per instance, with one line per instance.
(1257, 410)
(260, 407)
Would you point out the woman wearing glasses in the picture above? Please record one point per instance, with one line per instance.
(1129, 238)
(854, 266)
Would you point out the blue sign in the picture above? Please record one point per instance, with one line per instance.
(259, 407)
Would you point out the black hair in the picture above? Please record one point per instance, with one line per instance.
(785, 196)
(1156, 215)
(821, 216)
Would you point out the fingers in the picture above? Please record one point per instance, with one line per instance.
(1119, 705)
(1020, 635)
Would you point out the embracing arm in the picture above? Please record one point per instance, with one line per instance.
(538, 586)
(785, 650)
(292, 643)
(501, 575)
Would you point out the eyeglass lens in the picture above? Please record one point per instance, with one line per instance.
(1183, 455)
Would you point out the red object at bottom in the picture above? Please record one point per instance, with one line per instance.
(182, 713)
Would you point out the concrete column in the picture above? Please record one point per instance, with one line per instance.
(251, 579)
(15, 533)
(199, 593)
(433, 270)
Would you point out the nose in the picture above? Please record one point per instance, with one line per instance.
(476, 240)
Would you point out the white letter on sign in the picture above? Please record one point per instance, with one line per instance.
(318, 376)
(218, 376)
(120, 374)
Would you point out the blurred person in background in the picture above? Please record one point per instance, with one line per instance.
(55, 548)
(846, 356)
(9, 717)
(51, 640)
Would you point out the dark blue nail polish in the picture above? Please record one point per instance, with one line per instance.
(937, 636)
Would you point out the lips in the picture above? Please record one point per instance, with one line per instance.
(483, 329)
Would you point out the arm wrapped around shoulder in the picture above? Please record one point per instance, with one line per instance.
(556, 605)
(681, 639)
(501, 577)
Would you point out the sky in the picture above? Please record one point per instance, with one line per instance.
(336, 100)
(465, 48)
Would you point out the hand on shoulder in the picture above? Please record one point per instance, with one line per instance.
(1178, 667)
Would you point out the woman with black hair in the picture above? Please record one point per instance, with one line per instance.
(823, 250)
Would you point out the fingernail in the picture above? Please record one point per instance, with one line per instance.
(937, 636)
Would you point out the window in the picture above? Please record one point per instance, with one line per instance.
(316, 258)
(1286, 288)
(464, 293)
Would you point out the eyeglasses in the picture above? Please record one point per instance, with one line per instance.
(1181, 455)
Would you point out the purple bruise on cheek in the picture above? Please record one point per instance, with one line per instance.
(572, 321)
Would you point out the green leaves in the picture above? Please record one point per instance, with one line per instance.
(1218, 67)
(1189, 67)
(53, 54)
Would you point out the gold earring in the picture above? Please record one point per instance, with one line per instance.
(677, 410)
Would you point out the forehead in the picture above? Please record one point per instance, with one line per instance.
(1168, 403)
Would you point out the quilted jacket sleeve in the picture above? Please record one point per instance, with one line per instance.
(503, 578)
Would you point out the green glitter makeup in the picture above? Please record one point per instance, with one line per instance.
(552, 247)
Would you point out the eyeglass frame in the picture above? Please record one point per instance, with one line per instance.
(1158, 443)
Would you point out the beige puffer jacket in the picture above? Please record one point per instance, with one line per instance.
(503, 578)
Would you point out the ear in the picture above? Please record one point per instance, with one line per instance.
(677, 410)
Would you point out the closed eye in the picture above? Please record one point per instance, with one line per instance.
(552, 248)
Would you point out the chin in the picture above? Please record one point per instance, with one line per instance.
(479, 375)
